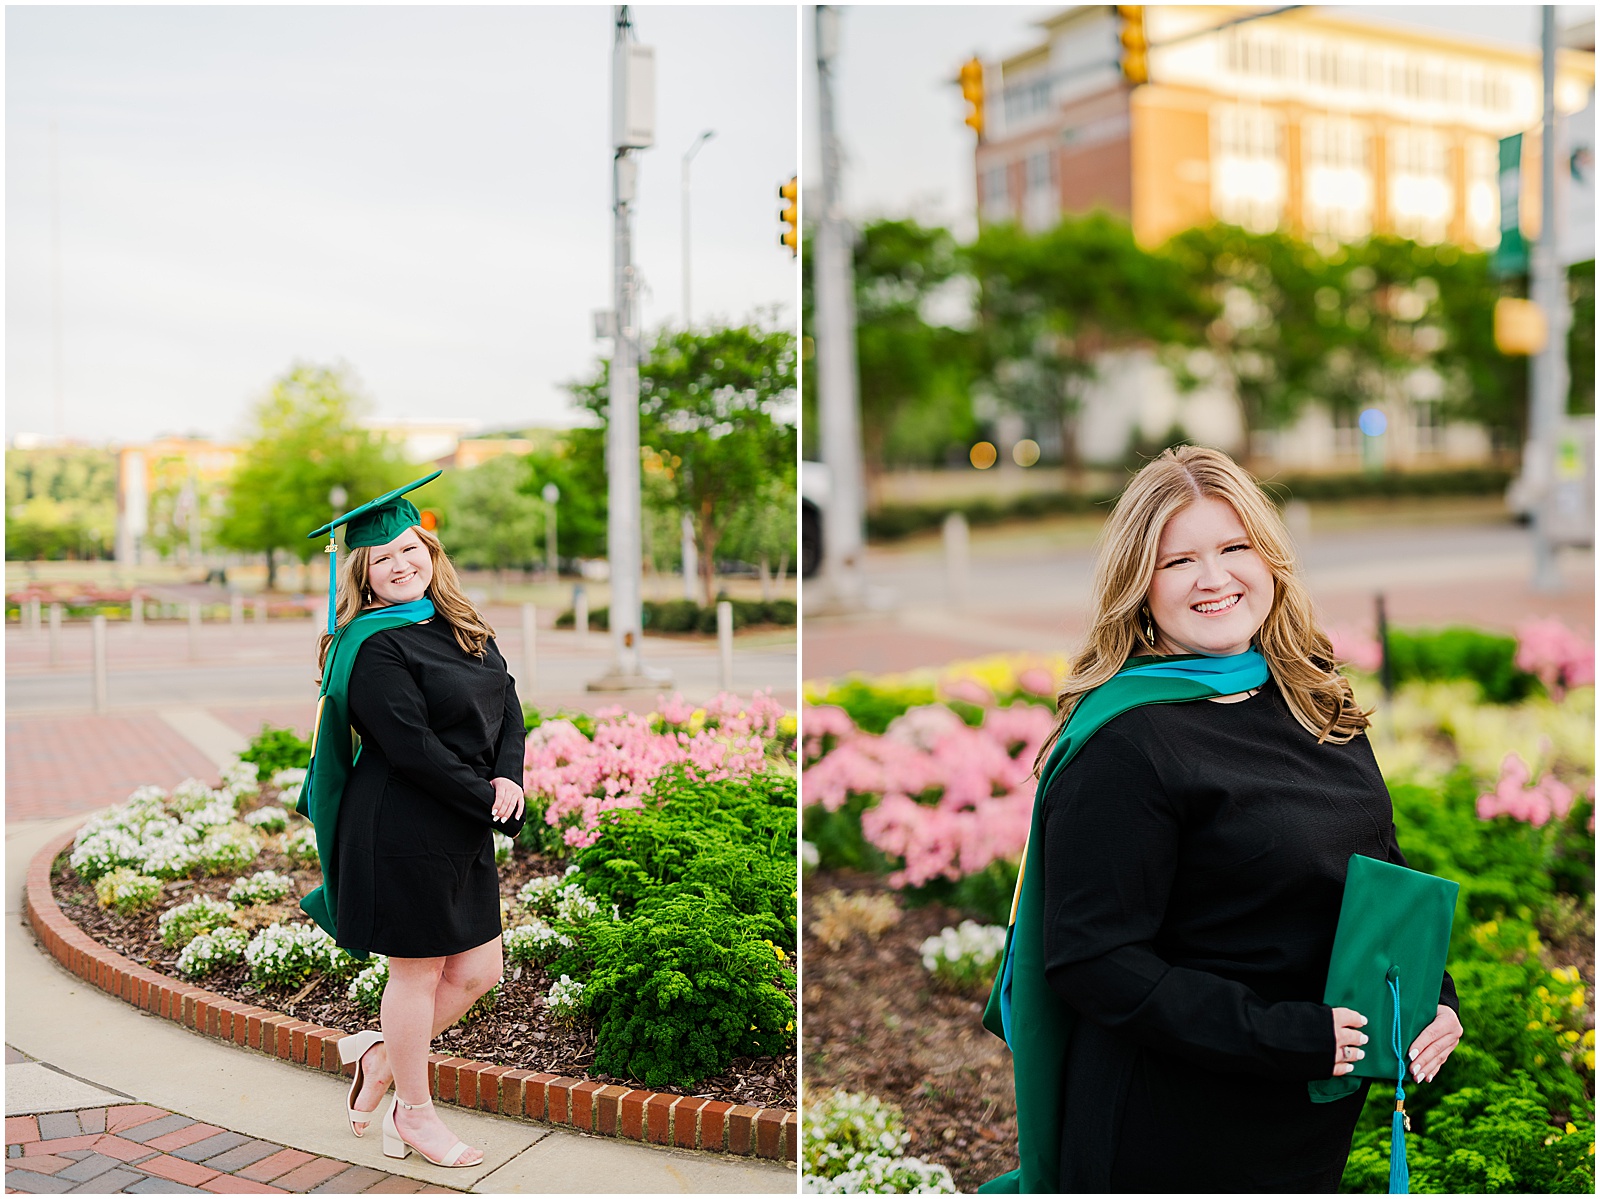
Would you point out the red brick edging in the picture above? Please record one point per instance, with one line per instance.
(591, 1107)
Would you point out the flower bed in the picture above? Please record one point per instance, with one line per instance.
(923, 781)
(209, 879)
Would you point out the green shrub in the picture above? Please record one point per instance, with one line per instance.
(683, 988)
(227, 849)
(1488, 659)
(839, 841)
(687, 616)
(126, 890)
(731, 841)
(872, 705)
(273, 750)
(1492, 1139)
(181, 924)
(300, 846)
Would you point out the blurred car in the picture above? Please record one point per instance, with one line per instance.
(815, 484)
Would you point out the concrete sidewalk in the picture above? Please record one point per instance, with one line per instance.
(93, 1052)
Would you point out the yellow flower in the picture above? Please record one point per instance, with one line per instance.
(1538, 1059)
(1570, 1037)
(1588, 1058)
(789, 1027)
(1577, 997)
(1534, 1025)
(1588, 1037)
(1543, 992)
(1571, 1127)
(787, 725)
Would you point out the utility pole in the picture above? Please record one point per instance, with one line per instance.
(57, 353)
(632, 129)
(1547, 370)
(688, 157)
(838, 407)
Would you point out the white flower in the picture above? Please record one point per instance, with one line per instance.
(265, 886)
(241, 778)
(206, 952)
(564, 996)
(502, 848)
(270, 819)
(535, 941)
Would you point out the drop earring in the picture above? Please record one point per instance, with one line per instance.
(1148, 627)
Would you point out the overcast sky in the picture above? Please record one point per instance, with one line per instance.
(900, 114)
(422, 193)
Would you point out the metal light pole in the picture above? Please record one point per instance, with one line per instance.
(632, 129)
(552, 564)
(1547, 370)
(838, 407)
(688, 157)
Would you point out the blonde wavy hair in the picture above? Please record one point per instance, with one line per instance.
(450, 602)
(1298, 653)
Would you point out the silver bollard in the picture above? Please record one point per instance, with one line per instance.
(691, 573)
(194, 629)
(527, 683)
(55, 634)
(98, 627)
(236, 609)
(36, 616)
(956, 558)
(766, 581)
(725, 643)
(580, 613)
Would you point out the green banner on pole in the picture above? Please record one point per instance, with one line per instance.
(1511, 256)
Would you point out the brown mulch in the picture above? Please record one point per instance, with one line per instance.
(876, 1021)
(520, 1031)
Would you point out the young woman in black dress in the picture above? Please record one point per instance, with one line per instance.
(439, 769)
(1195, 857)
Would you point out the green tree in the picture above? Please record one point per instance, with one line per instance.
(493, 522)
(304, 441)
(914, 373)
(1053, 302)
(60, 503)
(714, 410)
(576, 465)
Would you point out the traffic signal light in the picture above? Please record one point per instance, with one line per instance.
(1135, 58)
(790, 215)
(972, 92)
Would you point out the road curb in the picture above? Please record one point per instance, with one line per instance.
(604, 1110)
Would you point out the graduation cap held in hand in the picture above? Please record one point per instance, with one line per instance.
(376, 522)
(1388, 963)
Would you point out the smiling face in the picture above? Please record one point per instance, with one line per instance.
(400, 571)
(1211, 590)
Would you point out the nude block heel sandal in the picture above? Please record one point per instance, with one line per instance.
(395, 1145)
(351, 1049)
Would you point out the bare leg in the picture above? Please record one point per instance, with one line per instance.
(438, 990)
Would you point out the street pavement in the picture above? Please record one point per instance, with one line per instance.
(1028, 588)
(80, 1059)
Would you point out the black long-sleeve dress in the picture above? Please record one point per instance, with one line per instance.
(416, 861)
(1195, 864)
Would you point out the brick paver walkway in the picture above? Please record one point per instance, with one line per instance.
(60, 765)
(136, 1149)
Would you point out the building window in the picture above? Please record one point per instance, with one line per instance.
(1421, 197)
(1483, 190)
(1039, 171)
(1248, 180)
(1338, 177)
(996, 194)
(1026, 99)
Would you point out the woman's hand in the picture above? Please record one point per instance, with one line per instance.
(1348, 1039)
(507, 799)
(1435, 1044)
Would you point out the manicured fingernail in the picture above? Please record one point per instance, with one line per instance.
(1363, 1038)
(1360, 1053)
(1414, 1053)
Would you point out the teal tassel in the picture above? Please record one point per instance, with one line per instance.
(1399, 1174)
(333, 579)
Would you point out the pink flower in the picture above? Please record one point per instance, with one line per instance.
(1534, 804)
(1557, 655)
(1036, 680)
(1363, 653)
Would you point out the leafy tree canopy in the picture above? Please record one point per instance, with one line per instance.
(304, 441)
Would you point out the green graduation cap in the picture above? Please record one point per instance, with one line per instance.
(374, 523)
(1388, 963)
